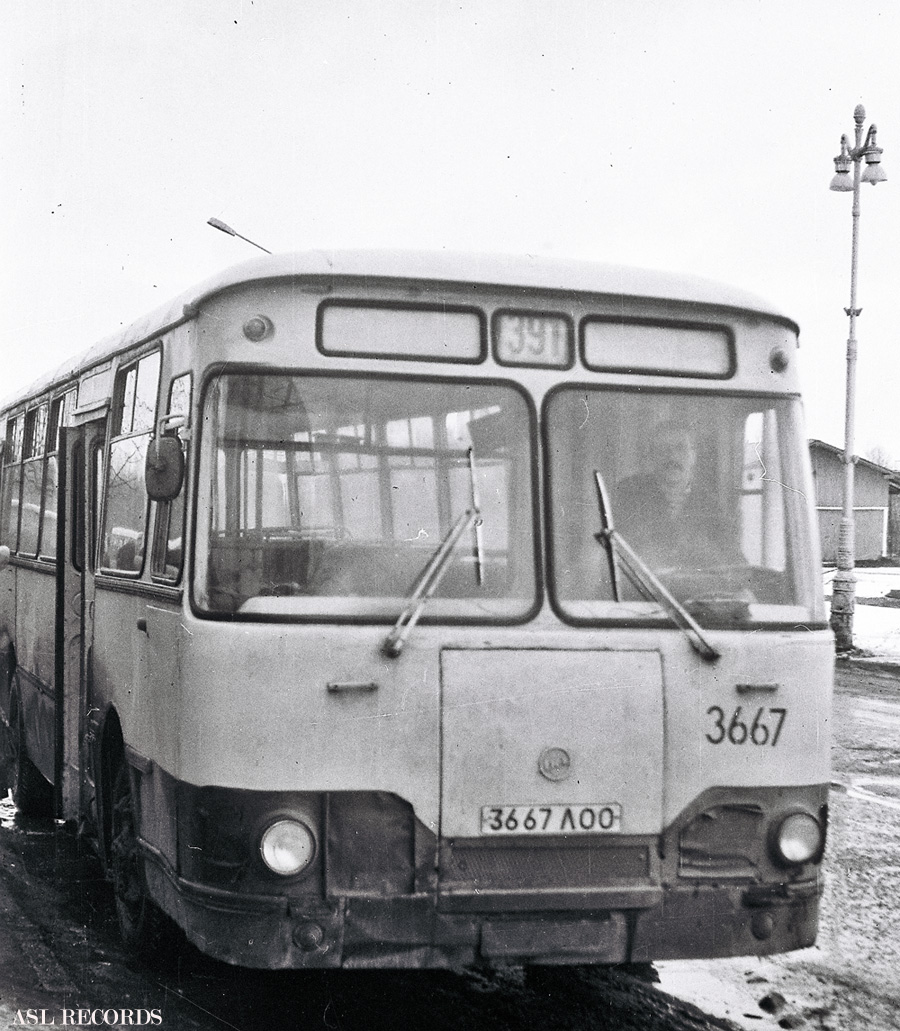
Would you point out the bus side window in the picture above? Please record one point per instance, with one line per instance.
(85, 502)
(12, 480)
(32, 480)
(59, 410)
(126, 496)
(168, 543)
(763, 522)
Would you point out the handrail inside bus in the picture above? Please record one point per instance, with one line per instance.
(479, 522)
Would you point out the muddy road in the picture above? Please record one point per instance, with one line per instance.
(60, 954)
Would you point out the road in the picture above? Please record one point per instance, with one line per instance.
(59, 950)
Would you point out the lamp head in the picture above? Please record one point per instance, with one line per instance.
(873, 172)
(842, 181)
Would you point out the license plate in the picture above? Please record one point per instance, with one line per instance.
(600, 818)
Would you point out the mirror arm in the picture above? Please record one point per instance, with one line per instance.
(173, 421)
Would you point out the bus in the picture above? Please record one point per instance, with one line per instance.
(328, 614)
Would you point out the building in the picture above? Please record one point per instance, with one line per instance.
(876, 504)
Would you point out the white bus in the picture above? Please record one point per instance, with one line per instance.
(405, 610)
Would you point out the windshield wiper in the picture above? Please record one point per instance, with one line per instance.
(642, 576)
(427, 583)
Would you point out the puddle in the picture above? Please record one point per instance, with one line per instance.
(887, 786)
(882, 790)
(8, 813)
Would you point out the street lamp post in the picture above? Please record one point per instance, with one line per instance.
(843, 598)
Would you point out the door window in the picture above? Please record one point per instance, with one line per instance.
(168, 545)
(126, 506)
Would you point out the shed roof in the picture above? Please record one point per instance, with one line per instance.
(893, 475)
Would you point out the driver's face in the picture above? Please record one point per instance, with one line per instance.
(674, 459)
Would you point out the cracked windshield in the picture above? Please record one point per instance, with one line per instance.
(708, 492)
(333, 495)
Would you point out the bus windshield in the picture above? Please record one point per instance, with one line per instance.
(326, 496)
(710, 492)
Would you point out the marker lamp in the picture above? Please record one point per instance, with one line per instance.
(258, 328)
(798, 838)
(287, 847)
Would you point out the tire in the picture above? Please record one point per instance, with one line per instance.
(32, 794)
(6, 759)
(144, 928)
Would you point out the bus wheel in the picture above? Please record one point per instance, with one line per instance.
(32, 794)
(143, 926)
(6, 758)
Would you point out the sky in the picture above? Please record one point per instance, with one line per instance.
(695, 136)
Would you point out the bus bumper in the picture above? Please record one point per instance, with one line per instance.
(412, 932)
(383, 892)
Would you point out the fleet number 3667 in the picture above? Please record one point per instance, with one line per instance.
(763, 728)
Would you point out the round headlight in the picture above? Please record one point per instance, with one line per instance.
(287, 847)
(799, 838)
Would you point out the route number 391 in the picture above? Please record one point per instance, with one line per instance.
(763, 729)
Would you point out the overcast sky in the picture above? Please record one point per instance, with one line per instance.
(696, 136)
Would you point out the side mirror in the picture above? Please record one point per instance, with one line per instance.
(164, 468)
(4, 557)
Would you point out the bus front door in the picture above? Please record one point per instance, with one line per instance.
(79, 479)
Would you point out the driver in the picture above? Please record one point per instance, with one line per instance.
(662, 512)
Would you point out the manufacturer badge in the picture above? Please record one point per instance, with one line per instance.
(554, 764)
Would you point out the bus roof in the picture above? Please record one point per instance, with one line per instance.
(528, 271)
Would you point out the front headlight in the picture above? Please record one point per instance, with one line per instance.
(798, 839)
(287, 847)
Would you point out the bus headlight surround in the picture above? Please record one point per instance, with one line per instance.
(798, 838)
(287, 847)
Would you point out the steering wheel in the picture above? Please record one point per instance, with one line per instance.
(282, 590)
